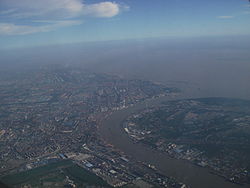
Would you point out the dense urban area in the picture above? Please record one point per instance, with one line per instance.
(210, 132)
(48, 129)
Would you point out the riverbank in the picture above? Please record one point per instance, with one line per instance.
(194, 176)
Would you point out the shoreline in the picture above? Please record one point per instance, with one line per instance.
(111, 131)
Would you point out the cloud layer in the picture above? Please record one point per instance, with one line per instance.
(225, 17)
(19, 17)
(12, 29)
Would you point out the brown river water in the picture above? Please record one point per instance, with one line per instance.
(190, 174)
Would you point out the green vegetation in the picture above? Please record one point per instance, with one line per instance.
(211, 125)
(82, 176)
(54, 175)
(34, 175)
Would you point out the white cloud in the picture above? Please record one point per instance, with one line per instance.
(42, 8)
(62, 9)
(13, 29)
(104, 9)
(66, 11)
(225, 17)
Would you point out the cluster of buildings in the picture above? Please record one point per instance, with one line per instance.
(52, 114)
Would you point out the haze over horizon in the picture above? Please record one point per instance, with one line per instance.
(201, 42)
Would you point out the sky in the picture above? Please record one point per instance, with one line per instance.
(25, 23)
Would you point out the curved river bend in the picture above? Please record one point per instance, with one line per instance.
(190, 174)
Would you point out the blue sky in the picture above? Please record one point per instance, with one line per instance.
(44, 22)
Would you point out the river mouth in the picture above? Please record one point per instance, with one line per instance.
(190, 174)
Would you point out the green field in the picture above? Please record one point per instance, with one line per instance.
(54, 175)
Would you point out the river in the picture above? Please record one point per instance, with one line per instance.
(190, 174)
